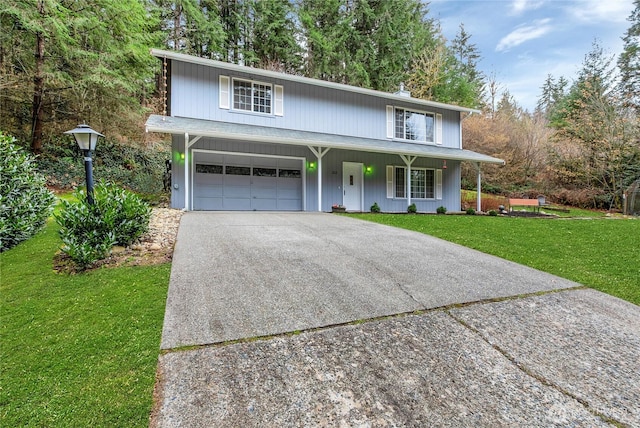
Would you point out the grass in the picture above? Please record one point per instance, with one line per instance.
(599, 253)
(77, 350)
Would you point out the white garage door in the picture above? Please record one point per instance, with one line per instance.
(246, 183)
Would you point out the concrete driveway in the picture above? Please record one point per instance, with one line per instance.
(305, 319)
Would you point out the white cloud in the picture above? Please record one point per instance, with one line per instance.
(601, 11)
(520, 6)
(524, 33)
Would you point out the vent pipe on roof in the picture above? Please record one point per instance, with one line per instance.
(402, 92)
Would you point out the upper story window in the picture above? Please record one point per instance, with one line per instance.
(414, 125)
(252, 96)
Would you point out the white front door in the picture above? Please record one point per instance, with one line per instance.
(352, 186)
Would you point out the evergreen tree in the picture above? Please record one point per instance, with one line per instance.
(274, 36)
(91, 63)
(629, 62)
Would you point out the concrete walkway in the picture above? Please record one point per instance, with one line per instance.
(360, 324)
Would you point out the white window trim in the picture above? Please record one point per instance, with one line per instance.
(391, 183)
(391, 125)
(253, 82)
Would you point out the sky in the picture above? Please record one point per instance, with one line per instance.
(521, 42)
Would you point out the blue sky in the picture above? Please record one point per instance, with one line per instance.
(522, 41)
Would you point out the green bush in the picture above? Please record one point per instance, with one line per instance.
(441, 210)
(493, 213)
(118, 217)
(471, 211)
(25, 202)
(412, 209)
(375, 208)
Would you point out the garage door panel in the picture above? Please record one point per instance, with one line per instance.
(236, 182)
(208, 204)
(237, 204)
(264, 204)
(205, 191)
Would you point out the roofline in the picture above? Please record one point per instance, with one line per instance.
(160, 53)
(455, 155)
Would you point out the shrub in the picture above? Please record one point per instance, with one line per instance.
(412, 209)
(375, 208)
(88, 232)
(441, 210)
(493, 213)
(25, 202)
(471, 211)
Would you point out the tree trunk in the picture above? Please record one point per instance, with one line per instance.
(38, 89)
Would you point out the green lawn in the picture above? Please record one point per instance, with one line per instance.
(77, 350)
(600, 253)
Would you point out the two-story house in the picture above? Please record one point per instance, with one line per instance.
(251, 139)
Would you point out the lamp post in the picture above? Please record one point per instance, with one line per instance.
(86, 139)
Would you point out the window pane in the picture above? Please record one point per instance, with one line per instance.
(264, 172)
(430, 183)
(242, 95)
(289, 173)
(400, 183)
(418, 183)
(262, 98)
(429, 128)
(208, 169)
(237, 170)
(415, 126)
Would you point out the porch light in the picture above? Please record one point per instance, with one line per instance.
(368, 169)
(444, 164)
(312, 165)
(87, 139)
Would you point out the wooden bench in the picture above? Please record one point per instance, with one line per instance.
(524, 203)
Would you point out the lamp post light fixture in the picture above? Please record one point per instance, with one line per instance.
(86, 139)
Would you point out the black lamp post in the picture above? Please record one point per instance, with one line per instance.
(86, 139)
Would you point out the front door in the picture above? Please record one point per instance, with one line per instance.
(352, 186)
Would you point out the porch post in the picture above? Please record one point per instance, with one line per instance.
(319, 152)
(408, 160)
(186, 171)
(479, 190)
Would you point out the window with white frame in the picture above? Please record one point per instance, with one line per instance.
(414, 125)
(252, 96)
(423, 182)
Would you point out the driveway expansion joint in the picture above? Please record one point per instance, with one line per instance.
(524, 369)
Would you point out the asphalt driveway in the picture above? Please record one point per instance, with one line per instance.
(305, 319)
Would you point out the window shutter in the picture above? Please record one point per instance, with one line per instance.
(389, 121)
(438, 184)
(224, 92)
(389, 181)
(278, 108)
(438, 128)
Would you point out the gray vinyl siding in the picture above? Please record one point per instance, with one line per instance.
(195, 94)
(374, 183)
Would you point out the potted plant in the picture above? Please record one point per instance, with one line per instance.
(337, 208)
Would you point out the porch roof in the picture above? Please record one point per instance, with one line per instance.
(253, 133)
